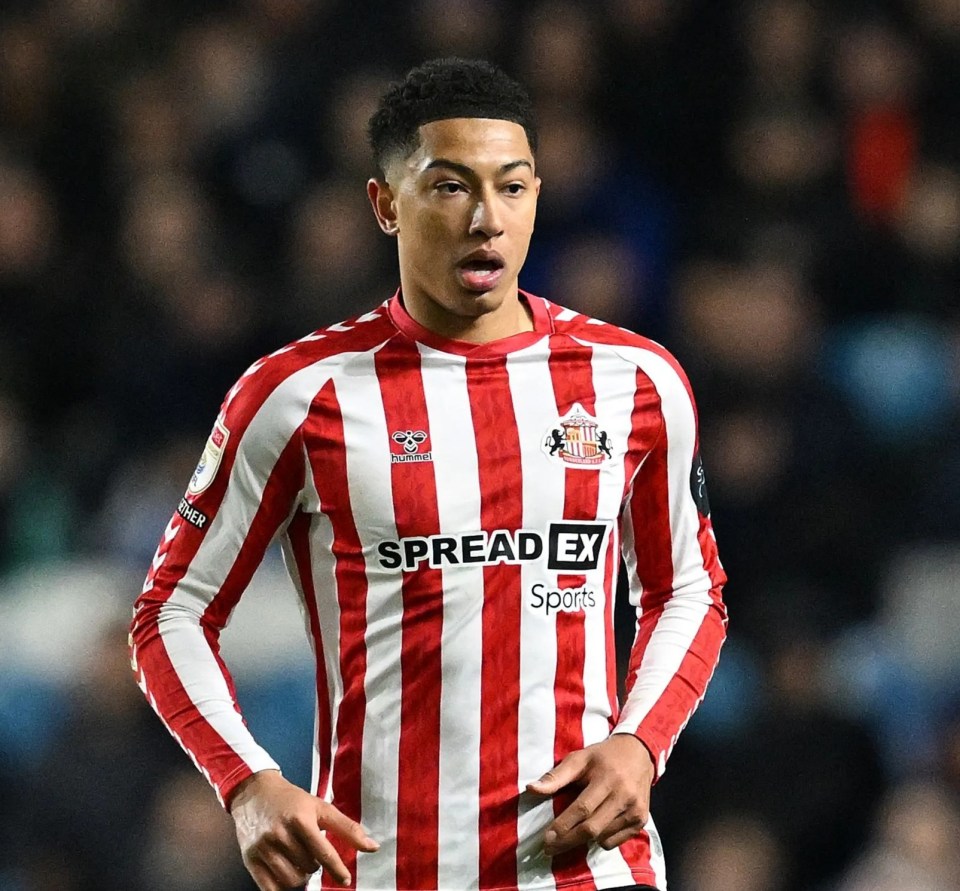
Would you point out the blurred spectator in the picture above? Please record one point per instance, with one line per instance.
(735, 854)
(783, 43)
(465, 28)
(559, 55)
(915, 843)
(332, 227)
(190, 844)
(621, 215)
(344, 128)
(877, 71)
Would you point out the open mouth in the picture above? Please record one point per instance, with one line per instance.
(481, 272)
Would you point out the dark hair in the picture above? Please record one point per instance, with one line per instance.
(441, 89)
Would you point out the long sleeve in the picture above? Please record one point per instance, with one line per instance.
(675, 577)
(241, 495)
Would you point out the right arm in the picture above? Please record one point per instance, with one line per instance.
(243, 493)
(237, 501)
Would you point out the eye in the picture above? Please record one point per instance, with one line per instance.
(515, 188)
(450, 187)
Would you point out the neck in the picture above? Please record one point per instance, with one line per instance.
(512, 316)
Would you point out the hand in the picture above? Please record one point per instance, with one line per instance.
(280, 828)
(613, 806)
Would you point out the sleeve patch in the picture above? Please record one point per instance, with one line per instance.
(210, 459)
(698, 485)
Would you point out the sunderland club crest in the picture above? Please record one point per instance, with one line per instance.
(577, 440)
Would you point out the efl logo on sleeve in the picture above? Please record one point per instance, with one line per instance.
(210, 459)
(575, 547)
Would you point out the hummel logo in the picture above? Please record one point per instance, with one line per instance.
(411, 440)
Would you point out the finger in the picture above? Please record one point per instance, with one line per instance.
(618, 838)
(283, 871)
(580, 809)
(569, 769)
(328, 817)
(262, 876)
(628, 821)
(582, 822)
(319, 849)
(299, 855)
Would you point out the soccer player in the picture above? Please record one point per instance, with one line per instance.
(454, 476)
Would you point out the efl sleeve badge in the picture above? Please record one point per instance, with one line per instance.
(210, 459)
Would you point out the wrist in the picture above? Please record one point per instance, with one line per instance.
(647, 759)
(251, 785)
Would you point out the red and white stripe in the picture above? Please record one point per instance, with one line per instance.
(442, 692)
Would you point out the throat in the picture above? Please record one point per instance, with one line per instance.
(473, 322)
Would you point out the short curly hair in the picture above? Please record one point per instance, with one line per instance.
(441, 89)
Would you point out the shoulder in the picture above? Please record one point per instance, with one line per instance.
(290, 377)
(653, 359)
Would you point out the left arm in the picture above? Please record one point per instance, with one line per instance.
(675, 581)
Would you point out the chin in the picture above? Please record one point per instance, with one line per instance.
(478, 303)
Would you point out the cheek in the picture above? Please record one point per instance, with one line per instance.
(430, 231)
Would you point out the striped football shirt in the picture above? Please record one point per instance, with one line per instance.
(453, 518)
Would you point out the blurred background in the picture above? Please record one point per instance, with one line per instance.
(770, 188)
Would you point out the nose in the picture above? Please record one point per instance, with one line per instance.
(486, 219)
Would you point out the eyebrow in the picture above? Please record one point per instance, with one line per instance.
(463, 170)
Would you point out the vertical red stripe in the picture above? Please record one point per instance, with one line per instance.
(572, 375)
(417, 514)
(649, 508)
(653, 547)
(501, 481)
(324, 440)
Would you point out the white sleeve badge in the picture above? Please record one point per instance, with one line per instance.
(210, 459)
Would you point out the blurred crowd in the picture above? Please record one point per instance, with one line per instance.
(769, 187)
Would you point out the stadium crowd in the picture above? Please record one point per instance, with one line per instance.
(769, 187)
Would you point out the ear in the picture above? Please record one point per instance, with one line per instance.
(381, 199)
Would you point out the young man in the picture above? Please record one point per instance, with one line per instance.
(453, 476)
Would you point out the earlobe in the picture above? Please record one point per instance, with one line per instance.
(381, 200)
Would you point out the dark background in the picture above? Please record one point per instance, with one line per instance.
(771, 189)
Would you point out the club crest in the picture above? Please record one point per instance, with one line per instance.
(577, 440)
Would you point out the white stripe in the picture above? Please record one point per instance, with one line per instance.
(543, 495)
(458, 501)
(565, 315)
(328, 612)
(367, 443)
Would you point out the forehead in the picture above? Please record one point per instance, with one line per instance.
(473, 142)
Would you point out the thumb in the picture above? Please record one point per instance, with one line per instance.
(569, 769)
